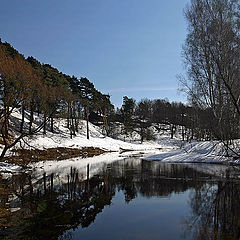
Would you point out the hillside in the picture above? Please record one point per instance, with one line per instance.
(162, 149)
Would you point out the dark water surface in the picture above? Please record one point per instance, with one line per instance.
(128, 199)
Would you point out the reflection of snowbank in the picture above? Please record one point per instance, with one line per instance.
(96, 164)
(219, 170)
(6, 168)
(216, 169)
(62, 168)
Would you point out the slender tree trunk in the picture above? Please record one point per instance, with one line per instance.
(76, 124)
(3, 152)
(73, 127)
(31, 117)
(6, 121)
(68, 116)
(23, 116)
(72, 123)
(141, 134)
(183, 133)
(87, 119)
(192, 133)
(44, 123)
(52, 124)
(74, 119)
(172, 131)
(183, 128)
(105, 123)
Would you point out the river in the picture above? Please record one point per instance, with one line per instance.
(125, 199)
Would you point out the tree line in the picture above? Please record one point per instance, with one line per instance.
(192, 122)
(212, 57)
(32, 87)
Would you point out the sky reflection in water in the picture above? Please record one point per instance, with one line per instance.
(130, 199)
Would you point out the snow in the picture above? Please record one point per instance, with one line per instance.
(197, 152)
(61, 138)
(162, 149)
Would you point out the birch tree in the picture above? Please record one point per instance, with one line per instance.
(212, 57)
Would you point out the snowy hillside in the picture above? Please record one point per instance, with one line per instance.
(61, 136)
(162, 149)
(199, 152)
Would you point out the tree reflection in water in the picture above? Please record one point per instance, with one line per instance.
(46, 207)
(47, 210)
(216, 211)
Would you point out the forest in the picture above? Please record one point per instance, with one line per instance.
(74, 166)
(211, 56)
(34, 88)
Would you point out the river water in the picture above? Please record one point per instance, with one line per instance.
(127, 199)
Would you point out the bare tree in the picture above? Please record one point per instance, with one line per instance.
(212, 57)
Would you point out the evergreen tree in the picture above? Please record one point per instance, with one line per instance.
(127, 110)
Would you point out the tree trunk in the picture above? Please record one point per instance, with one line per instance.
(172, 127)
(183, 133)
(23, 116)
(183, 128)
(6, 121)
(68, 115)
(76, 124)
(79, 111)
(72, 123)
(3, 152)
(105, 123)
(44, 123)
(192, 133)
(52, 124)
(141, 134)
(31, 117)
(87, 119)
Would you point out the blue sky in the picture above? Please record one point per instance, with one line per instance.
(125, 47)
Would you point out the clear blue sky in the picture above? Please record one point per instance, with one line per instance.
(125, 47)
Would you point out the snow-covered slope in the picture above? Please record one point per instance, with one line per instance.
(61, 138)
(162, 149)
(205, 152)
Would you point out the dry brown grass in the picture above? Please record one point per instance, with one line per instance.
(24, 156)
(5, 216)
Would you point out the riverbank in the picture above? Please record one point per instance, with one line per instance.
(201, 152)
(22, 157)
(59, 146)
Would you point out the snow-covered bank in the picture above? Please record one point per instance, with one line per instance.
(197, 152)
(61, 138)
(162, 149)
